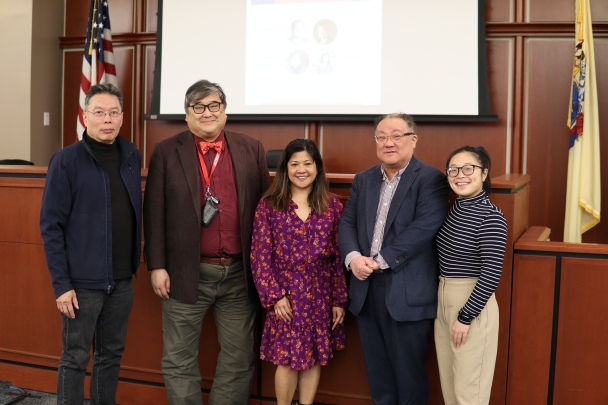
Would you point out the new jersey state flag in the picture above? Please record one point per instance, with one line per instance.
(583, 197)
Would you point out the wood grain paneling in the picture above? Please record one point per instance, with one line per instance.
(549, 62)
(499, 10)
(515, 208)
(531, 326)
(30, 322)
(20, 214)
(77, 14)
(582, 353)
(123, 59)
(151, 17)
(563, 10)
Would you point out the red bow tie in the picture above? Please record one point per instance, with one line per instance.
(205, 146)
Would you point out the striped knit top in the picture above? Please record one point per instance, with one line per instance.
(471, 244)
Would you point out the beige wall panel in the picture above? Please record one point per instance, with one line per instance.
(15, 71)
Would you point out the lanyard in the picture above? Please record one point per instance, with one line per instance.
(203, 167)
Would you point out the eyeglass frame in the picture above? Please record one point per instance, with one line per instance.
(459, 170)
(392, 137)
(108, 113)
(206, 106)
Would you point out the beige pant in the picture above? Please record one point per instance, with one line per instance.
(466, 372)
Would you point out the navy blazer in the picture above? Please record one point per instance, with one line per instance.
(76, 216)
(417, 211)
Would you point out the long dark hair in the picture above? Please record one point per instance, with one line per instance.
(483, 158)
(279, 193)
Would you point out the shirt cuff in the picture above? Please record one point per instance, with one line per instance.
(349, 258)
(381, 262)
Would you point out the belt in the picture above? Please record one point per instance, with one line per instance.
(224, 261)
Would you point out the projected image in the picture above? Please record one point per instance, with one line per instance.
(325, 32)
(297, 62)
(323, 65)
(310, 52)
(298, 29)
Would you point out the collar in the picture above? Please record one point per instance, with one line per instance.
(397, 175)
(468, 202)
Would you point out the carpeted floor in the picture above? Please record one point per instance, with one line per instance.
(14, 395)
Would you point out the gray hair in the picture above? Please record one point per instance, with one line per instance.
(407, 118)
(202, 89)
(103, 88)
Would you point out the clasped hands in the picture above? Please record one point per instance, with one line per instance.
(282, 309)
(363, 266)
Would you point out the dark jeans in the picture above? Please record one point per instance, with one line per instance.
(104, 316)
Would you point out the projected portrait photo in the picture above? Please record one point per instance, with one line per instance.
(325, 31)
(323, 64)
(297, 62)
(298, 30)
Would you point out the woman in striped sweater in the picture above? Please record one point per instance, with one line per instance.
(471, 247)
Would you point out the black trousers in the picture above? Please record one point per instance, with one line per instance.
(394, 352)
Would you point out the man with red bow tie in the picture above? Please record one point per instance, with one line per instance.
(202, 189)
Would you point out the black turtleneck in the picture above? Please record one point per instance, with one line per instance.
(123, 216)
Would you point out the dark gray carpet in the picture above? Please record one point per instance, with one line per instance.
(14, 395)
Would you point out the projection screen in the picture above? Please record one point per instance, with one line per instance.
(316, 59)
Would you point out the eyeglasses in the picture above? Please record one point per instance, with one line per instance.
(101, 113)
(466, 170)
(381, 139)
(200, 108)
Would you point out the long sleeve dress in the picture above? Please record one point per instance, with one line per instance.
(299, 259)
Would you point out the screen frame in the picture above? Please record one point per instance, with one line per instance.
(485, 107)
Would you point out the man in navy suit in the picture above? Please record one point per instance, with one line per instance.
(387, 237)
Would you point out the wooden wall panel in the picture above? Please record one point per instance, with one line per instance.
(24, 337)
(77, 14)
(72, 71)
(531, 315)
(123, 59)
(499, 10)
(549, 63)
(151, 10)
(18, 225)
(582, 332)
(563, 10)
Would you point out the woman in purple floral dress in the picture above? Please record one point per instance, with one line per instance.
(297, 270)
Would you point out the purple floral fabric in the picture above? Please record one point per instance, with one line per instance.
(300, 259)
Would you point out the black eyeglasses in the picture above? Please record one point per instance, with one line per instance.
(200, 108)
(466, 170)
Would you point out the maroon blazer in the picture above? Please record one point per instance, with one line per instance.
(172, 207)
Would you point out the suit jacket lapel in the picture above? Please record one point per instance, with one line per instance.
(407, 178)
(189, 158)
(238, 154)
(372, 190)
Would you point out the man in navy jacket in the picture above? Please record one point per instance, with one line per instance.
(387, 234)
(91, 226)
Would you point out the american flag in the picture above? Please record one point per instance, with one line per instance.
(98, 59)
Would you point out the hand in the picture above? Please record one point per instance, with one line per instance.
(67, 302)
(459, 333)
(337, 316)
(282, 309)
(161, 284)
(362, 267)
